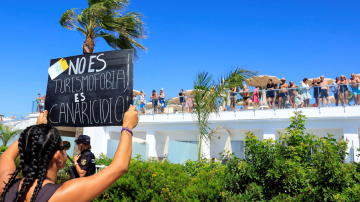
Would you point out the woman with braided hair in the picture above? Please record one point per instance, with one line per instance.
(43, 154)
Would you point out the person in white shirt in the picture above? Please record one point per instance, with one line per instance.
(305, 92)
(142, 102)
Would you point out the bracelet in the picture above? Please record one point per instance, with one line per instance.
(76, 164)
(128, 130)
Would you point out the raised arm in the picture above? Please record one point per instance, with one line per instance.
(7, 159)
(7, 163)
(94, 185)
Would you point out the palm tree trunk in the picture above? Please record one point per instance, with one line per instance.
(89, 45)
(88, 48)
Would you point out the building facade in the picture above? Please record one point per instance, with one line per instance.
(154, 131)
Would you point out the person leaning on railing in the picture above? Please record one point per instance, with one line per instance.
(270, 94)
(232, 92)
(43, 154)
(283, 93)
(142, 102)
(335, 89)
(305, 92)
(343, 90)
(154, 96)
(316, 87)
(182, 99)
(162, 101)
(354, 81)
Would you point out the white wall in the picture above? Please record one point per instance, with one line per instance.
(263, 123)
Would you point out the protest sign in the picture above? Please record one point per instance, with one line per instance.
(90, 90)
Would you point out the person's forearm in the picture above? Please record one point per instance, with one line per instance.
(9, 156)
(81, 173)
(123, 153)
(12, 152)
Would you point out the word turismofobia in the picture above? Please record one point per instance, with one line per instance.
(95, 90)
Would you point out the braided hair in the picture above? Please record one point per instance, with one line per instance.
(37, 145)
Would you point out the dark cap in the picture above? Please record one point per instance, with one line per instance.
(84, 139)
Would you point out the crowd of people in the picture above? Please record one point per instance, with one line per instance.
(158, 101)
(300, 97)
(278, 95)
(288, 95)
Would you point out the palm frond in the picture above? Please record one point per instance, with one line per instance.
(68, 19)
(110, 4)
(121, 42)
(7, 133)
(103, 19)
(131, 24)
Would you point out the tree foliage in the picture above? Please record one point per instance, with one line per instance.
(208, 96)
(106, 19)
(297, 167)
(7, 133)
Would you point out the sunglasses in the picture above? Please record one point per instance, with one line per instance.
(66, 145)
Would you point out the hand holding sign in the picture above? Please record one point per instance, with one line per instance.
(42, 118)
(131, 118)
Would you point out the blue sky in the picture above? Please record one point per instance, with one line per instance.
(291, 39)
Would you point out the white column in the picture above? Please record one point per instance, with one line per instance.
(269, 133)
(98, 139)
(151, 139)
(351, 134)
(205, 148)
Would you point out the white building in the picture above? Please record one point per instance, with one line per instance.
(153, 130)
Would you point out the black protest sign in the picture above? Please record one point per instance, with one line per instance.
(90, 90)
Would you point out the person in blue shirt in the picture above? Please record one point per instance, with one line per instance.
(334, 88)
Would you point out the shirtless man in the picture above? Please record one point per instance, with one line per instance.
(354, 83)
(316, 91)
(324, 92)
(283, 93)
(154, 96)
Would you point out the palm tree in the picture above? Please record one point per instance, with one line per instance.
(7, 133)
(103, 18)
(208, 96)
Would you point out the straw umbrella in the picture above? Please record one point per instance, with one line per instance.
(175, 107)
(261, 80)
(166, 148)
(149, 105)
(175, 100)
(329, 81)
(189, 92)
(136, 92)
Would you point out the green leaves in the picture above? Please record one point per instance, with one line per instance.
(208, 96)
(7, 133)
(104, 18)
(68, 19)
(162, 181)
(296, 167)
